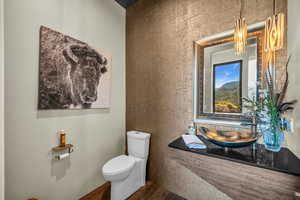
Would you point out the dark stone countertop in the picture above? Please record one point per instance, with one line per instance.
(283, 161)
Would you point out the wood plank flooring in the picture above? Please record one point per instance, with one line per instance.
(149, 192)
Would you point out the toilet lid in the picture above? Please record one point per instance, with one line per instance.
(118, 164)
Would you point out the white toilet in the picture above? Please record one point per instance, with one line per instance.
(127, 173)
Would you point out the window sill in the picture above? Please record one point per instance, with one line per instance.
(221, 122)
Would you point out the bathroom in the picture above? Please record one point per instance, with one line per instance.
(149, 81)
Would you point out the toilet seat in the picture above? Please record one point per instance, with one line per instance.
(118, 166)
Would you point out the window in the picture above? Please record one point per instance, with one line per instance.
(227, 87)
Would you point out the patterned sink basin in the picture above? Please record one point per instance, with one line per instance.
(232, 139)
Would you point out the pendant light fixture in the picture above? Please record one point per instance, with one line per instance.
(240, 34)
(274, 31)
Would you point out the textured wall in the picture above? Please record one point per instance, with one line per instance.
(97, 134)
(160, 35)
(1, 101)
(293, 139)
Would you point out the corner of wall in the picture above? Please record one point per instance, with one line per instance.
(1, 100)
(292, 93)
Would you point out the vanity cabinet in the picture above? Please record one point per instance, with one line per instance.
(238, 177)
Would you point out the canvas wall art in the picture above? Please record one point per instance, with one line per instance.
(72, 74)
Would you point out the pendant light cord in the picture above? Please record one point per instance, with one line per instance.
(241, 9)
(274, 7)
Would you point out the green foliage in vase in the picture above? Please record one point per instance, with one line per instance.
(271, 102)
(253, 105)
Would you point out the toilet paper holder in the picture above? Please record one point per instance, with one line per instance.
(59, 149)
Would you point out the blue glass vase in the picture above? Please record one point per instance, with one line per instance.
(273, 139)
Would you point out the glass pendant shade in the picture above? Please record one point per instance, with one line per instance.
(268, 59)
(274, 33)
(240, 36)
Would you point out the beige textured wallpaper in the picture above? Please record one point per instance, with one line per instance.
(1, 101)
(160, 35)
(293, 139)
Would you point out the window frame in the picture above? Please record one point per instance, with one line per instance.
(240, 85)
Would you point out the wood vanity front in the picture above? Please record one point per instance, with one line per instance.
(240, 176)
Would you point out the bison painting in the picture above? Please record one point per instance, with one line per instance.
(71, 73)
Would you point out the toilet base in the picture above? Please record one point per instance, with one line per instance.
(121, 190)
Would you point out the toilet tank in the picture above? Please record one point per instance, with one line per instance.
(138, 144)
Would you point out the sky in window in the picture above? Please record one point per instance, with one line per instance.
(226, 73)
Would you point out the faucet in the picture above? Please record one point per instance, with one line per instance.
(253, 124)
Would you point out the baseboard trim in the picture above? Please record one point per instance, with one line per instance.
(100, 191)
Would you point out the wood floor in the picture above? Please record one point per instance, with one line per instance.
(149, 192)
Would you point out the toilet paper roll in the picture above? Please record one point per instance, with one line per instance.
(63, 156)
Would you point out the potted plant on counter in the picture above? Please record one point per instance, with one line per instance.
(269, 110)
